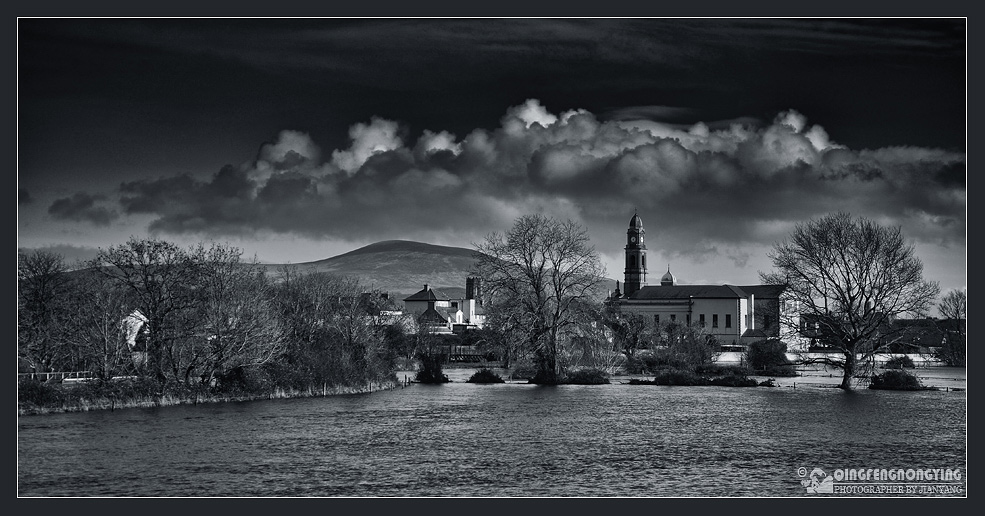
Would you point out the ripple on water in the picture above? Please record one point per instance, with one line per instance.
(512, 439)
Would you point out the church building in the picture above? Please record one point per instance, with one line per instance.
(734, 315)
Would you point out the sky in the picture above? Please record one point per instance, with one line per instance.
(300, 139)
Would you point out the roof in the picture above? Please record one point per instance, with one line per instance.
(431, 316)
(688, 291)
(764, 291)
(427, 294)
(636, 221)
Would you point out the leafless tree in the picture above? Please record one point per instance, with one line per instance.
(954, 310)
(544, 266)
(235, 307)
(161, 278)
(42, 285)
(851, 278)
(95, 327)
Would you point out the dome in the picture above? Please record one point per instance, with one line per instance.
(636, 222)
(668, 279)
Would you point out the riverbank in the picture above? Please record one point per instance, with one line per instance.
(67, 402)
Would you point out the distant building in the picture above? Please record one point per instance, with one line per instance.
(734, 315)
(439, 313)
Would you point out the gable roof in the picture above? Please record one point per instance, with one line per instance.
(431, 316)
(427, 294)
(688, 291)
(764, 291)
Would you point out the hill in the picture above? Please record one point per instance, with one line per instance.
(402, 267)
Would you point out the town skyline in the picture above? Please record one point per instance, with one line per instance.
(301, 139)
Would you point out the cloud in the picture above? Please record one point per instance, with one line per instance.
(82, 207)
(367, 139)
(705, 189)
(23, 196)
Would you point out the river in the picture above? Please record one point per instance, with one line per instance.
(502, 440)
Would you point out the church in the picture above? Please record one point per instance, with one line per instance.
(734, 315)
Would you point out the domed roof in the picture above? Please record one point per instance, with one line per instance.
(636, 221)
(668, 279)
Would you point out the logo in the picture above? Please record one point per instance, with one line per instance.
(817, 482)
(883, 481)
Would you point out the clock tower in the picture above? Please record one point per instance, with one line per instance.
(635, 256)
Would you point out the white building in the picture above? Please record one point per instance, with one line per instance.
(735, 315)
(442, 314)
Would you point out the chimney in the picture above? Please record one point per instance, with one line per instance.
(425, 287)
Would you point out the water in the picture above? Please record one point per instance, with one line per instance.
(511, 439)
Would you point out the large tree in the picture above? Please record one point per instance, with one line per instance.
(954, 310)
(95, 326)
(541, 267)
(850, 277)
(235, 304)
(162, 278)
(42, 286)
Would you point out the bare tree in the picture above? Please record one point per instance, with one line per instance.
(543, 266)
(954, 310)
(95, 325)
(631, 331)
(851, 279)
(42, 285)
(161, 277)
(235, 305)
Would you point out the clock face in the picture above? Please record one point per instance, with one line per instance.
(632, 239)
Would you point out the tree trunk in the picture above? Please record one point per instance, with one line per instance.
(846, 381)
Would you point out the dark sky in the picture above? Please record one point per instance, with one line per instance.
(299, 139)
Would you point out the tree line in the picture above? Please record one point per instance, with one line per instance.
(206, 316)
(200, 316)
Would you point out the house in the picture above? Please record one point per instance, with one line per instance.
(440, 313)
(733, 315)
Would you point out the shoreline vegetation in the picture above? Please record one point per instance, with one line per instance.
(36, 397)
(39, 398)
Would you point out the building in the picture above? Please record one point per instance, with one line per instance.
(439, 313)
(734, 315)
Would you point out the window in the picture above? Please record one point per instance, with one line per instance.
(689, 319)
(673, 317)
(644, 257)
(701, 320)
(728, 320)
(766, 321)
(656, 319)
(714, 320)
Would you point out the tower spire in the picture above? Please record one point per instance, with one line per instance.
(635, 256)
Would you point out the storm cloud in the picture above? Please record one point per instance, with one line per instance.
(83, 207)
(702, 188)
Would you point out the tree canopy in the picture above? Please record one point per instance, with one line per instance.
(850, 277)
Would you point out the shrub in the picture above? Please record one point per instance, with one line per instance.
(769, 382)
(767, 354)
(899, 362)
(734, 381)
(485, 375)
(590, 376)
(678, 377)
(896, 380)
(430, 371)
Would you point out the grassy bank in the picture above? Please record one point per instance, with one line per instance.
(35, 398)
